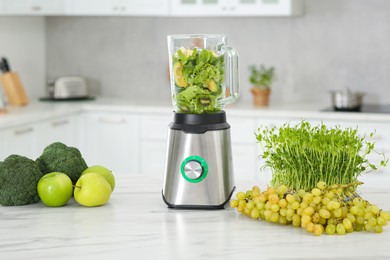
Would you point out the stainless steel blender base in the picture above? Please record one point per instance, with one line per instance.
(199, 169)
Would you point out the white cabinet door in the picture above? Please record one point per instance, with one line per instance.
(61, 129)
(236, 7)
(111, 139)
(20, 140)
(154, 131)
(34, 7)
(118, 7)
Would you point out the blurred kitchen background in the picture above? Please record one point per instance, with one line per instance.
(334, 44)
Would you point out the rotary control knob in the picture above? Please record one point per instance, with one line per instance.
(194, 169)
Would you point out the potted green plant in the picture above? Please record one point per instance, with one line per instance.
(261, 77)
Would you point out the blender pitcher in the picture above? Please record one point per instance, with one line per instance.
(203, 73)
(199, 163)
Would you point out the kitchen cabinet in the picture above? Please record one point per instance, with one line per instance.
(60, 129)
(119, 7)
(236, 7)
(112, 140)
(30, 139)
(20, 140)
(154, 131)
(33, 7)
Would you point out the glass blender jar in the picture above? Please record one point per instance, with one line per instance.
(204, 78)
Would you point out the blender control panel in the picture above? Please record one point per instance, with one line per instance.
(194, 169)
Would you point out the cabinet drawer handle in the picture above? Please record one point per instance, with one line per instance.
(60, 123)
(112, 120)
(23, 131)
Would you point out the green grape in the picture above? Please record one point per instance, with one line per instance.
(282, 220)
(290, 198)
(263, 197)
(273, 198)
(274, 217)
(290, 212)
(283, 212)
(260, 205)
(330, 229)
(321, 185)
(359, 227)
(255, 213)
(267, 214)
(283, 203)
(374, 209)
(378, 229)
(268, 205)
(240, 195)
(324, 213)
(248, 194)
(310, 227)
(315, 218)
(301, 193)
(340, 229)
(275, 207)
(247, 211)
(250, 205)
(368, 227)
(318, 229)
(347, 223)
(381, 221)
(308, 211)
(360, 220)
(337, 213)
(233, 203)
(296, 220)
(281, 190)
(308, 197)
(329, 195)
(322, 221)
(305, 219)
(240, 208)
(317, 200)
(385, 215)
(354, 210)
(303, 205)
(325, 200)
(351, 217)
(372, 221)
(295, 205)
(316, 192)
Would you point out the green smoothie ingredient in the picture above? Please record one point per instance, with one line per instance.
(198, 76)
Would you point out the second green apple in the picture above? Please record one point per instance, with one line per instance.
(103, 171)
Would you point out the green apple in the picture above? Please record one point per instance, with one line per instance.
(92, 190)
(103, 171)
(55, 189)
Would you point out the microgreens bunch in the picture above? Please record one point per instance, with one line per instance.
(302, 155)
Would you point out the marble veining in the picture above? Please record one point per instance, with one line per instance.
(136, 224)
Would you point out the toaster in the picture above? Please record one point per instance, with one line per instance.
(68, 87)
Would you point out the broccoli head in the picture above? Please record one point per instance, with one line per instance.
(57, 157)
(19, 177)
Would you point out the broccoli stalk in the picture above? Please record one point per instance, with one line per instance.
(19, 177)
(57, 157)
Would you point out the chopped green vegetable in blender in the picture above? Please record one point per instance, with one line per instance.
(199, 76)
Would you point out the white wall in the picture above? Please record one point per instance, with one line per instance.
(22, 42)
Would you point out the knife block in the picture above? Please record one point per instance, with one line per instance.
(14, 89)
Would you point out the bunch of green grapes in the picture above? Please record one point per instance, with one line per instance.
(335, 209)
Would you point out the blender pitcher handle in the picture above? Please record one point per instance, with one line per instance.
(232, 77)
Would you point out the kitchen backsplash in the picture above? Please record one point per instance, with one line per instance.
(335, 44)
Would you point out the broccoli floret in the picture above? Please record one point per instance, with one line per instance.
(57, 157)
(19, 177)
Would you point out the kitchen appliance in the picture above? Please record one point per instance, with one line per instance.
(204, 78)
(68, 87)
(346, 100)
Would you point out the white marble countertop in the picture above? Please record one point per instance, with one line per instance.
(38, 111)
(136, 224)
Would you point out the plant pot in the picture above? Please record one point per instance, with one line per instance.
(260, 96)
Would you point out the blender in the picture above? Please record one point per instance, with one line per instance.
(204, 78)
